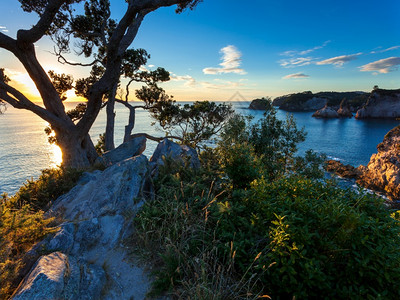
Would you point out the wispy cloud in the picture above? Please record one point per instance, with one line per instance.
(296, 76)
(221, 84)
(296, 62)
(151, 66)
(385, 65)
(339, 60)
(386, 50)
(304, 52)
(231, 61)
(189, 80)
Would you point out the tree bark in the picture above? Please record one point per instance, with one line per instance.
(109, 137)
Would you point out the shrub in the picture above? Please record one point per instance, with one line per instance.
(39, 194)
(316, 240)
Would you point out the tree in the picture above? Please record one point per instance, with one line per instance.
(100, 38)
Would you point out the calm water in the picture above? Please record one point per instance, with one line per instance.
(24, 150)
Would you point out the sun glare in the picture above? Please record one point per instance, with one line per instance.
(56, 156)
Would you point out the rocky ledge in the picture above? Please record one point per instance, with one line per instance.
(381, 104)
(382, 173)
(88, 258)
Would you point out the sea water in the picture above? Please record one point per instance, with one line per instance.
(24, 150)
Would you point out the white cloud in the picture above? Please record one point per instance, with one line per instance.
(151, 66)
(296, 62)
(304, 52)
(385, 65)
(339, 60)
(189, 80)
(221, 84)
(3, 27)
(296, 76)
(5, 30)
(385, 50)
(231, 61)
(143, 69)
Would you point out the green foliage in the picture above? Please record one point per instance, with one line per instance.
(41, 193)
(193, 123)
(101, 145)
(266, 147)
(285, 236)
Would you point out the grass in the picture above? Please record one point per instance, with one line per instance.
(22, 222)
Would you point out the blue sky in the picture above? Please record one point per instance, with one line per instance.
(258, 48)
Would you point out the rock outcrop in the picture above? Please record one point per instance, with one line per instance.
(383, 170)
(87, 256)
(381, 104)
(345, 171)
(326, 112)
(345, 110)
(179, 153)
(259, 104)
(131, 148)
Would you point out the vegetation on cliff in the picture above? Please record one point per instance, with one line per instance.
(254, 222)
(294, 102)
(22, 223)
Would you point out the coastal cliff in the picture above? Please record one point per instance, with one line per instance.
(383, 170)
(381, 104)
(382, 173)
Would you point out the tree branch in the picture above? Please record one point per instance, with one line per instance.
(153, 138)
(39, 30)
(20, 101)
(8, 43)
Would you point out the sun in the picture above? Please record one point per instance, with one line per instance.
(55, 155)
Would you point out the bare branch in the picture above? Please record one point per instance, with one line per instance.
(7, 43)
(153, 138)
(62, 60)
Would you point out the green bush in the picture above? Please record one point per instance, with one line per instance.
(39, 194)
(316, 240)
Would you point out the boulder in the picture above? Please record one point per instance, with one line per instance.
(326, 112)
(180, 153)
(131, 148)
(383, 170)
(260, 104)
(345, 110)
(59, 276)
(381, 104)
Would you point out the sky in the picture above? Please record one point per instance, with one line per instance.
(226, 49)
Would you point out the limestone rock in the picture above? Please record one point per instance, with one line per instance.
(259, 104)
(131, 148)
(180, 153)
(326, 112)
(106, 193)
(58, 276)
(381, 104)
(344, 110)
(383, 170)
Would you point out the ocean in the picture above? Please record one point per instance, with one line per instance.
(24, 150)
